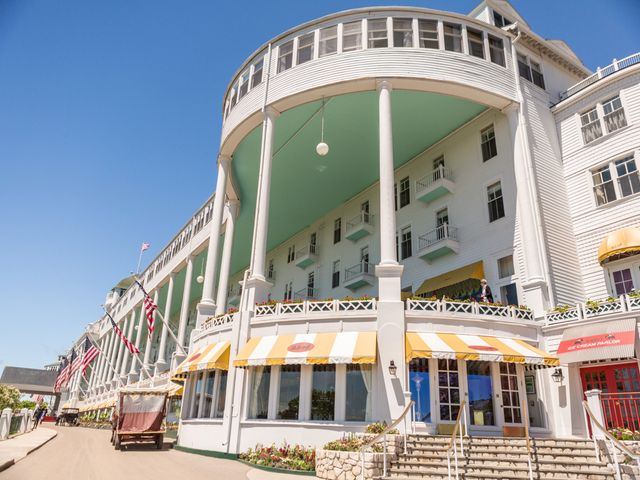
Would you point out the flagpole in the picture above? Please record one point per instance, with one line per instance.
(162, 319)
(107, 360)
(139, 261)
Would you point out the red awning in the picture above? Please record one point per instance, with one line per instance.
(599, 341)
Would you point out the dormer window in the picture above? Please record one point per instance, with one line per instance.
(500, 20)
(530, 70)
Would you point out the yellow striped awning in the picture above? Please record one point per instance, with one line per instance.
(309, 348)
(475, 347)
(214, 355)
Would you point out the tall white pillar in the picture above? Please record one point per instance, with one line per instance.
(121, 348)
(108, 373)
(135, 366)
(127, 353)
(147, 352)
(161, 362)
(95, 372)
(225, 265)
(207, 304)
(184, 311)
(390, 321)
(105, 358)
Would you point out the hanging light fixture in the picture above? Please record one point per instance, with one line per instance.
(322, 148)
(200, 278)
(557, 375)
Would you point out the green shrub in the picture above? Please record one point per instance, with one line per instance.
(351, 443)
(378, 427)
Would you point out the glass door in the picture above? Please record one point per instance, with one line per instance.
(448, 390)
(420, 388)
(442, 220)
(480, 385)
(511, 406)
(364, 259)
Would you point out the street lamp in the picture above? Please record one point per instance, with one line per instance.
(557, 375)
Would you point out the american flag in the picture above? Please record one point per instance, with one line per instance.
(149, 308)
(63, 375)
(76, 362)
(145, 246)
(132, 348)
(90, 353)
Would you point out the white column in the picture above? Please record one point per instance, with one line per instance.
(261, 225)
(135, 366)
(127, 353)
(184, 310)
(105, 358)
(95, 371)
(147, 352)
(161, 363)
(225, 265)
(120, 352)
(595, 405)
(108, 372)
(207, 304)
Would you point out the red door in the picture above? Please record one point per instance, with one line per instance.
(620, 387)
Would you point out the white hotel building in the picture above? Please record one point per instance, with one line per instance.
(460, 147)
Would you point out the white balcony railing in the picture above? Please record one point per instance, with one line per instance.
(435, 184)
(308, 293)
(218, 321)
(431, 307)
(593, 309)
(364, 306)
(306, 255)
(439, 234)
(362, 268)
(359, 226)
(602, 73)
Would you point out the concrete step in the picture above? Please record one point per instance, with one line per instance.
(473, 449)
(504, 464)
(499, 473)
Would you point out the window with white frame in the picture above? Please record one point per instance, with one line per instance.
(234, 95)
(285, 56)
(337, 230)
(244, 84)
(328, 42)
(221, 393)
(335, 274)
(505, 267)
(405, 243)
(495, 201)
(291, 254)
(209, 394)
(305, 48)
(476, 42)
(617, 179)
(530, 70)
(259, 392)
(496, 50)
(536, 74)
(622, 281)
(500, 20)
(289, 393)
(488, 143)
(256, 76)
(428, 34)
(402, 32)
(404, 195)
(452, 37)
(614, 118)
(377, 33)
(288, 291)
(323, 392)
(359, 393)
(351, 36)
(591, 128)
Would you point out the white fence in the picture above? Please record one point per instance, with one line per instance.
(592, 309)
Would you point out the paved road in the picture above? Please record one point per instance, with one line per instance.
(86, 454)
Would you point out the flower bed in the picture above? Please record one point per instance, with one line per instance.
(286, 457)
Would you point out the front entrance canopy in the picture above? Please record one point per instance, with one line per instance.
(474, 272)
(214, 355)
(625, 241)
(309, 348)
(475, 347)
(598, 341)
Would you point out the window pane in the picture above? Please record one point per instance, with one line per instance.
(402, 32)
(614, 117)
(351, 36)
(536, 73)
(377, 33)
(244, 84)
(480, 393)
(628, 177)
(405, 192)
(358, 397)
(419, 385)
(488, 143)
(496, 49)
(523, 67)
(289, 397)
(623, 282)
(405, 245)
(285, 57)
(452, 37)
(428, 32)
(259, 393)
(222, 393)
(323, 392)
(198, 395)
(603, 186)
(496, 207)
(328, 41)
(256, 78)
(208, 394)
(505, 266)
(476, 43)
(509, 294)
(305, 48)
(591, 128)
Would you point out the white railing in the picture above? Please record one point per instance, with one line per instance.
(438, 234)
(362, 268)
(218, 321)
(602, 73)
(471, 308)
(307, 293)
(439, 173)
(383, 435)
(306, 307)
(592, 309)
(310, 249)
(461, 420)
(363, 218)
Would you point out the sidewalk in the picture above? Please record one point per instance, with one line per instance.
(257, 474)
(15, 449)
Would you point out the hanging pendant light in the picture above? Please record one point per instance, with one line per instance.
(200, 278)
(322, 148)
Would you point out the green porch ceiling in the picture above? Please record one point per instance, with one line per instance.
(306, 186)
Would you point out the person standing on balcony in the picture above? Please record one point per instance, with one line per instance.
(485, 292)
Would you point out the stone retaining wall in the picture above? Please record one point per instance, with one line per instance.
(334, 465)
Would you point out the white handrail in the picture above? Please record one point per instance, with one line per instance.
(462, 414)
(613, 441)
(383, 435)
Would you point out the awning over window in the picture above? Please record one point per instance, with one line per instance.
(214, 355)
(598, 341)
(474, 271)
(621, 242)
(475, 347)
(309, 348)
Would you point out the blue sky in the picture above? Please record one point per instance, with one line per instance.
(110, 124)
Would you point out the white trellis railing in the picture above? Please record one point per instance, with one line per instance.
(594, 308)
(320, 307)
(469, 308)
